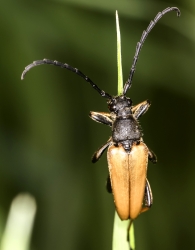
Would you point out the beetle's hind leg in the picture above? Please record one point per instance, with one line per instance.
(148, 198)
(96, 156)
(152, 157)
(128, 230)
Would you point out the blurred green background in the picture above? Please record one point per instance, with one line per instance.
(47, 138)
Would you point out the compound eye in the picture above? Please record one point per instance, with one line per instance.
(112, 104)
(111, 107)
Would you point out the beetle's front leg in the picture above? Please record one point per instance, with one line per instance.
(101, 150)
(152, 157)
(101, 117)
(148, 198)
(140, 109)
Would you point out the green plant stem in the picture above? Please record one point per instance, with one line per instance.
(119, 57)
(121, 235)
(120, 231)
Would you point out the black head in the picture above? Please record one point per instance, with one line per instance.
(118, 104)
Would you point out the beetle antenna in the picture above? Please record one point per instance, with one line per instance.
(66, 66)
(142, 40)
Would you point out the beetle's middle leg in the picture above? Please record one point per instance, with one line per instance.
(148, 198)
(108, 184)
(96, 156)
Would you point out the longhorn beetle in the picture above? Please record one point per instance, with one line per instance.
(127, 153)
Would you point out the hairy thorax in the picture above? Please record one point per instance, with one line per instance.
(125, 129)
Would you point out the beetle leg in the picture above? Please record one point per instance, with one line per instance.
(101, 117)
(140, 109)
(108, 184)
(148, 198)
(151, 156)
(128, 229)
(96, 156)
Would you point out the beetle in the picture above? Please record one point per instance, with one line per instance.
(127, 153)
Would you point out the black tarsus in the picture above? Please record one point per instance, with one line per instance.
(66, 66)
(140, 44)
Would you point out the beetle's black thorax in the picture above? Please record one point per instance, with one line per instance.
(125, 128)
